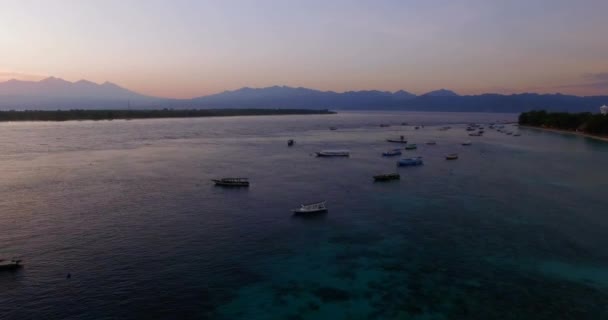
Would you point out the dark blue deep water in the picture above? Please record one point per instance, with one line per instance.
(517, 228)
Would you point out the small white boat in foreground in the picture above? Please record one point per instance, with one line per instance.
(333, 153)
(318, 207)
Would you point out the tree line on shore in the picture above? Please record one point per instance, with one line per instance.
(587, 122)
(79, 114)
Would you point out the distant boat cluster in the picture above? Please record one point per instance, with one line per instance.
(501, 129)
(476, 130)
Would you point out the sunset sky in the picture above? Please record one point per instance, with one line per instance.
(182, 49)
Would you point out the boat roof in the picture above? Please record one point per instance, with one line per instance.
(314, 203)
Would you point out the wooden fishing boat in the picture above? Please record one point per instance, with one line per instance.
(416, 161)
(387, 177)
(232, 182)
(391, 153)
(333, 153)
(400, 140)
(305, 209)
(451, 156)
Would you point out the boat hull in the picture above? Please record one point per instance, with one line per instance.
(221, 183)
(10, 265)
(386, 177)
(308, 212)
(391, 153)
(329, 155)
(409, 162)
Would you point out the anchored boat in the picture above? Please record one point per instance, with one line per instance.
(312, 208)
(467, 143)
(412, 146)
(290, 142)
(232, 182)
(400, 140)
(10, 264)
(387, 177)
(451, 156)
(431, 143)
(333, 153)
(390, 153)
(416, 161)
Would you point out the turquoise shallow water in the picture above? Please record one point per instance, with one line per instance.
(514, 229)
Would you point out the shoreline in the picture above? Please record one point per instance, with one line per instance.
(121, 114)
(580, 134)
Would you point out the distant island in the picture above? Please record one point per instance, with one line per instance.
(54, 93)
(79, 114)
(584, 123)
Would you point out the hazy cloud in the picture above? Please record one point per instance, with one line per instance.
(596, 80)
(586, 84)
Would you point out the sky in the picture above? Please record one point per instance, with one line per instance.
(188, 48)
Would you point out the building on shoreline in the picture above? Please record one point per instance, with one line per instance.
(604, 110)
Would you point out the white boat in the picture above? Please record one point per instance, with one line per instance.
(333, 153)
(318, 207)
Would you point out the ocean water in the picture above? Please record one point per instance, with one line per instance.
(516, 228)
